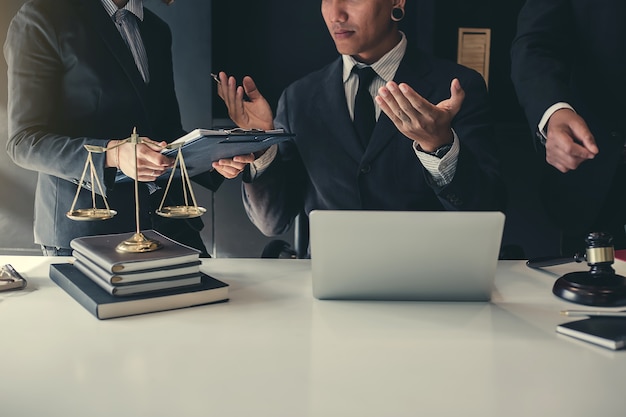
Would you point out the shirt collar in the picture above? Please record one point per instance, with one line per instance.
(385, 67)
(133, 6)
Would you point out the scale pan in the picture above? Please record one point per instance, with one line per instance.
(91, 214)
(181, 212)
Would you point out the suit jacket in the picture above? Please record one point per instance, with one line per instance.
(574, 51)
(73, 82)
(329, 169)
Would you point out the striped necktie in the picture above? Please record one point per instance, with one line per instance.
(127, 25)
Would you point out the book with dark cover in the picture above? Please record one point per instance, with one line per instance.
(608, 332)
(201, 147)
(138, 276)
(101, 249)
(106, 306)
(141, 286)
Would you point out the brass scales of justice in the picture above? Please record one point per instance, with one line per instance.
(138, 242)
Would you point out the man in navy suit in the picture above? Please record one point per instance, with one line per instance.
(431, 148)
(76, 77)
(569, 71)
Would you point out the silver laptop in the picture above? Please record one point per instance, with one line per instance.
(401, 255)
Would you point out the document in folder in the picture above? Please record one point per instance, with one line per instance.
(201, 147)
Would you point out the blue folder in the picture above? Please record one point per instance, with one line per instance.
(201, 147)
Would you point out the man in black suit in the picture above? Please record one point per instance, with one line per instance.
(432, 144)
(569, 70)
(76, 78)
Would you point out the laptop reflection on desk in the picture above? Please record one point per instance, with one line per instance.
(404, 256)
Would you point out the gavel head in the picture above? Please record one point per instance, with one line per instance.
(600, 253)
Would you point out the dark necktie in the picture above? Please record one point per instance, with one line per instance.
(130, 33)
(364, 113)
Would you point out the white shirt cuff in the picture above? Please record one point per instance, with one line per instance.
(260, 164)
(546, 116)
(441, 170)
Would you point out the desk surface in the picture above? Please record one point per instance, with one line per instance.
(273, 350)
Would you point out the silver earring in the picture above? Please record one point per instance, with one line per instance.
(397, 14)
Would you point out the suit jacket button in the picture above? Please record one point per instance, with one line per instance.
(365, 169)
(452, 198)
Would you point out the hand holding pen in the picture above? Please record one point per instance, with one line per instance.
(247, 107)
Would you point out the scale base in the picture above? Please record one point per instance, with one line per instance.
(602, 290)
(138, 243)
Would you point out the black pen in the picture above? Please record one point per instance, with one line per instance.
(216, 78)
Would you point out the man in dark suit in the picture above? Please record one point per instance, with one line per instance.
(76, 78)
(569, 67)
(431, 147)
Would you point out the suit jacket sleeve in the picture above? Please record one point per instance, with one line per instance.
(539, 65)
(35, 73)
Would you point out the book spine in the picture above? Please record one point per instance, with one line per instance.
(94, 277)
(69, 287)
(85, 252)
(104, 274)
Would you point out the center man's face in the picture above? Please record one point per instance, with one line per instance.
(360, 28)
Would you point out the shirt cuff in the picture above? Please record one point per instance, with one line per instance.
(546, 116)
(441, 170)
(260, 164)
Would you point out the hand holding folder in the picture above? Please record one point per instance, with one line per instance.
(202, 147)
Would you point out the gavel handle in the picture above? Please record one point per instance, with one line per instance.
(544, 261)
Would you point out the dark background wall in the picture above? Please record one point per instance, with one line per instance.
(284, 40)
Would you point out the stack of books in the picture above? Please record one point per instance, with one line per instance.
(110, 283)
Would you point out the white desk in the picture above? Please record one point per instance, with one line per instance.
(273, 350)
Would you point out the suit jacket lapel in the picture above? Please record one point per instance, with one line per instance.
(330, 105)
(94, 15)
